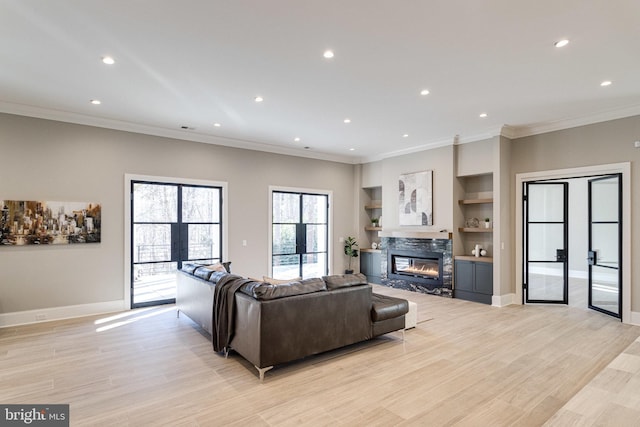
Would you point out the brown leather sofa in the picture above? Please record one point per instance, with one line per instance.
(275, 324)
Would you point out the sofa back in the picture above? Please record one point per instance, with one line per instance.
(275, 331)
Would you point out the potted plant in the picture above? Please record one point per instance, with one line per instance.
(350, 250)
(487, 223)
(374, 222)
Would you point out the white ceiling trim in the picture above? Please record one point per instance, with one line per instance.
(514, 132)
(187, 135)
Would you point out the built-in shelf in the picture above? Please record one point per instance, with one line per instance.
(474, 201)
(369, 228)
(474, 258)
(371, 250)
(375, 204)
(475, 230)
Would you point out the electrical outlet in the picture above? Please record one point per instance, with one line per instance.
(41, 316)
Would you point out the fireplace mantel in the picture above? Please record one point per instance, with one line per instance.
(408, 234)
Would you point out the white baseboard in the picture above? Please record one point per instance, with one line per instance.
(503, 300)
(59, 313)
(634, 318)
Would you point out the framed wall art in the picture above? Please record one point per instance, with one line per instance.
(48, 223)
(415, 198)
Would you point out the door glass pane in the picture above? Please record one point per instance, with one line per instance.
(286, 208)
(544, 240)
(155, 203)
(286, 266)
(316, 238)
(284, 239)
(545, 281)
(546, 202)
(604, 193)
(153, 282)
(204, 241)
(604, 241)
(314, 265)
(200, 204)
(151, 242)
(604, 289)
(314, 209)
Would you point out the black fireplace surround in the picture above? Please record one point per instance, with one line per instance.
(418, 267)
(418, 253)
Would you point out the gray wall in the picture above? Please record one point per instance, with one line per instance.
(48, 160)
(596, 144)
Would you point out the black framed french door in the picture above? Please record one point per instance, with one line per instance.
(605, 244)
(546, 241)
(300, 234)
(170, 224)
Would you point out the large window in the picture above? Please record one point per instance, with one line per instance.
(171, 224)
(300, 234)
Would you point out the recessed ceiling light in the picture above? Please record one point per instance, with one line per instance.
(96, 102)
(352, 149)
(406, 135)
(424, 92)
(483, 115)
(561, 43)
(347, 120)
(259, 99)
(217, 125)
(606, 83)
(328, 54)
(296, 139)
(108, 60)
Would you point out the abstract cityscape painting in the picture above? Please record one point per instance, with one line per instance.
(415, 198)
(48, 223)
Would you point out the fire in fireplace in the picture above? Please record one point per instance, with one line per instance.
(416, 267)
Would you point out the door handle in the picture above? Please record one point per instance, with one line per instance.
(561, 255)
(592, 257)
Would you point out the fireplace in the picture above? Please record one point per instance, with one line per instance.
(418, 267)
(419, 262)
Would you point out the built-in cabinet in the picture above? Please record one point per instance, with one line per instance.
(371, 264)
(473, 275)
(373, 210)
(474, 280)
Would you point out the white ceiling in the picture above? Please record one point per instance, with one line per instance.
(194, 63)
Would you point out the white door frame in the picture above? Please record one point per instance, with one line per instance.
(127, 219)
(327, 193)
(625, 170)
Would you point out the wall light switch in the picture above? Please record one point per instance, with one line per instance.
(636, 144)
(341, 239)
(244, 243)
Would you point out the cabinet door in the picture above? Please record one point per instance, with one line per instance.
(375, 264)
(365, 263)
(484, 278)
(464, 276)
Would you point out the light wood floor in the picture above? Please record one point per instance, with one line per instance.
(465, 364)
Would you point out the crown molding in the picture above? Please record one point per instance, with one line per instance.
(540, 128)
(186, 135)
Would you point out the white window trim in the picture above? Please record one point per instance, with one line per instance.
(328, 193)
(127, 218)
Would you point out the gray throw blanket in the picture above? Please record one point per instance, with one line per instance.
(224, 308)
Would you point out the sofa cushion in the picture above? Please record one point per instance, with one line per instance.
(202, 272)
(266, 291)
(215, 267)
(189, 268)
(384, 307)
(272, 281)
(337, 281)
(217, 275)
